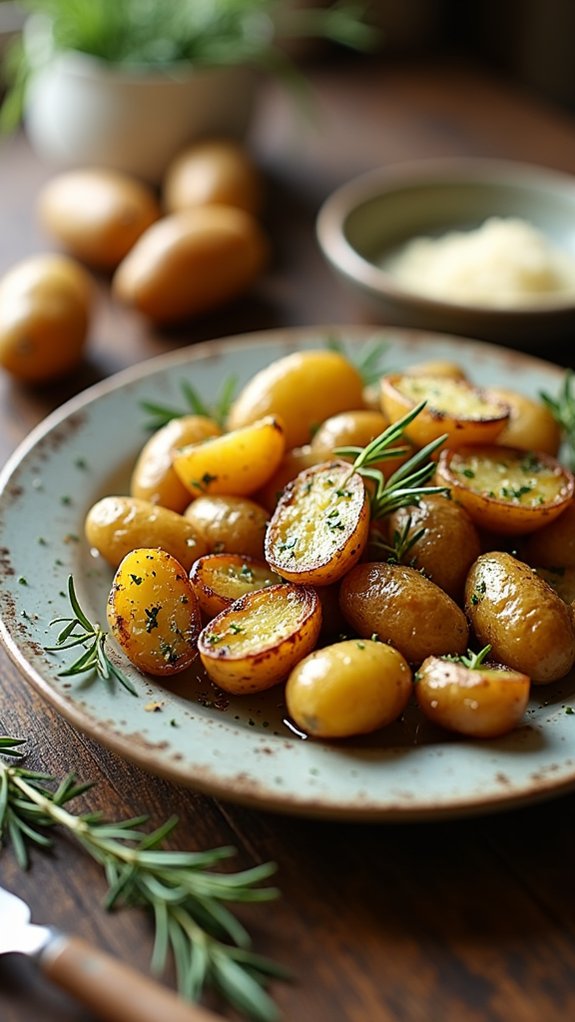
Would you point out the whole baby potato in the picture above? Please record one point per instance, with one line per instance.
(354, 428)
(553, 546)
(191, 262)
(45, 305)
(349, 688)
(233, 525)
(527, 625)
(96, 214)
(303, 388)
(399, 605)
(154, 477)
(116, 525)
(448, 546)
(213, 171)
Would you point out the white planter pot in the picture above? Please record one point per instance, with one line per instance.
(80, 111)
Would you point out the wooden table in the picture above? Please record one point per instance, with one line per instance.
(462, 921)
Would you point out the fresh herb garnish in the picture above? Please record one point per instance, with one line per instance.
(162, 414)
(181, 891)
(562, 409)
(80, 631)
(402, 542)
(368, 360)
(473, 661)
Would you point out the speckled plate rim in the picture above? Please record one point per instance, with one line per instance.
(232, 756)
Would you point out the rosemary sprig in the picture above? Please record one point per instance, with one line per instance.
(185, 897)
(402, 542)
(473, 661)
(79, 631)
(562, 409)
(368, 360)
(162, 414)
(409, 482)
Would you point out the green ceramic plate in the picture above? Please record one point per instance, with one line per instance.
(243, 749)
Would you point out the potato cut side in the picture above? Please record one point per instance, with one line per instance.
(467, 414)
(256, 642)
(482, 703)
(153, 612)
(506, 489)
(320, 526)
(220, 579)
(235, 464)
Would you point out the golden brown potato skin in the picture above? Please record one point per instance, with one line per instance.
(528, 626)
(115, 526)
(233, 525)
(553, 546)
(402, 607)
(154, 477)
(449, 545)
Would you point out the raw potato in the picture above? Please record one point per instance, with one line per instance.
(220, 579)
(465, 413)
(320, 526)
(485, 702)
(153, 612)
(531, 425)
(505, 489)
(449, 545)
(303, 388)
(45, 306)
(191, 262)
(235, 464)
(116, 525)
(350, 688)
(153, 477)
(98, 215)
(554, 545)
(213, 171)
(256, 642)
(400, 606)
(234, 525)
(527, 625)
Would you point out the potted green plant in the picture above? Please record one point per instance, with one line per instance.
(126, 83)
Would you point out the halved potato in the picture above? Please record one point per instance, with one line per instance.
(256, 642)
(237, 463)
(467, 414)
(320, 526)
(505, 489)
(153, 612)
(219, 579)
(349, 688)
(154, 478)
(484, 702)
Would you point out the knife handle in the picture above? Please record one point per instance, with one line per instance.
(111, 989)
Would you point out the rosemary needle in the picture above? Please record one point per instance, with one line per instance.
(183, 893)
(162, 414)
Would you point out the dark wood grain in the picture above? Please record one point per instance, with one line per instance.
(462, 921)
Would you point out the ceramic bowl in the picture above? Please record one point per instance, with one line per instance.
(363, 223)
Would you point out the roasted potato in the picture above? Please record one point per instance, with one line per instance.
(465, 413)
(562, 580)
(219, 579)
(116, 525)
(449, 543)
(485, 702)
(233, 525)
(292, 463)
(553, 546)
(304, 389)
(356, 429)
(504, 489)
(400, 606)
(528, 626)
(154, 477)
(437, 368)
(234, 464)
(320, 526)
(256, 642)
(349, 688)
(153, 612)
(97, 214)
(531, 425)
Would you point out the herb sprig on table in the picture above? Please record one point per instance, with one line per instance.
(185, 896)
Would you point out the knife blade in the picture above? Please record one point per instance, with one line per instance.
(111, 989)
